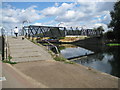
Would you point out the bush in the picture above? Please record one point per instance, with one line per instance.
(61, 37)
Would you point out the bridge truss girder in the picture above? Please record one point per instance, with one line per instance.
(49, 31)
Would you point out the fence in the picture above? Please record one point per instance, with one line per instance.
(4, 45)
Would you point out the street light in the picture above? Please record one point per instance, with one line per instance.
(25, 21)
(60, 24)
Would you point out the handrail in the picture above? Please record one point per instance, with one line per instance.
(53, 46)
(4, 44)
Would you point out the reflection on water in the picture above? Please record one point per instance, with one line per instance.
(107, 61)
(100, 61)
(70, 52)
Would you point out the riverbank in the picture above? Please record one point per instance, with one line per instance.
(99, 61)
(54, 74)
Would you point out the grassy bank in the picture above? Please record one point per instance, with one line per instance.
(54, 56)
(113, 44)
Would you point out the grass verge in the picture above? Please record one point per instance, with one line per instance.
(62, 59)
(9, 60)
(113, 44)
(55, 57)
(5, 61)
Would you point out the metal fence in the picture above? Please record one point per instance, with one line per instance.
(2, 43)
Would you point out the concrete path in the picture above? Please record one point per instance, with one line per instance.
(55, 74)
(25, 50)
(12, 78)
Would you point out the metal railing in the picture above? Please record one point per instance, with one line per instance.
(4, 44)
(54, 47)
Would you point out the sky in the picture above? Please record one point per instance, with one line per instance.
(75, 14)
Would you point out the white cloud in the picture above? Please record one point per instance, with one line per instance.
(54, 11)
(56, 4)
(11, 15)
(91, 14)
(9, 19)
(37, 24)
(70, 16)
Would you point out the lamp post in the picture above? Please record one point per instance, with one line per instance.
(64, 27)
(25, 21)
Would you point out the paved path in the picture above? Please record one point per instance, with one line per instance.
(12, 78)
(55, 74)
(25, 50)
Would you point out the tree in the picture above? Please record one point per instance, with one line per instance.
(115, 22)
(99, 30)
(109, 35)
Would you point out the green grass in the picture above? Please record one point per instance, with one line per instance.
(8, 61)
(5, 61)
(113, 44)
(9, 58)
(58, 58)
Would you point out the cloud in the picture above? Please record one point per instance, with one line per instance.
(11, 15)
(89, 14)
(86, 11)
(70, 16)
(37, 24)
(55, 10)
(105, 6)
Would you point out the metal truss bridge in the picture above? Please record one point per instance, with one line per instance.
(49, 31)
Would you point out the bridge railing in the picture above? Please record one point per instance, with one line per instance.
(56, 32)
(4, 44)
(54, 47)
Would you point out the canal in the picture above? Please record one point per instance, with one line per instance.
(107, 60)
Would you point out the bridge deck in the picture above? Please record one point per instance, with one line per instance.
(24, 50)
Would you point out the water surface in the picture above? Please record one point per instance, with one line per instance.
(107, 61)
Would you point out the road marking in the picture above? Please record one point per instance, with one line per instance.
(2, 78)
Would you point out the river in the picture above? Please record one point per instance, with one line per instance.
(107, 61)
